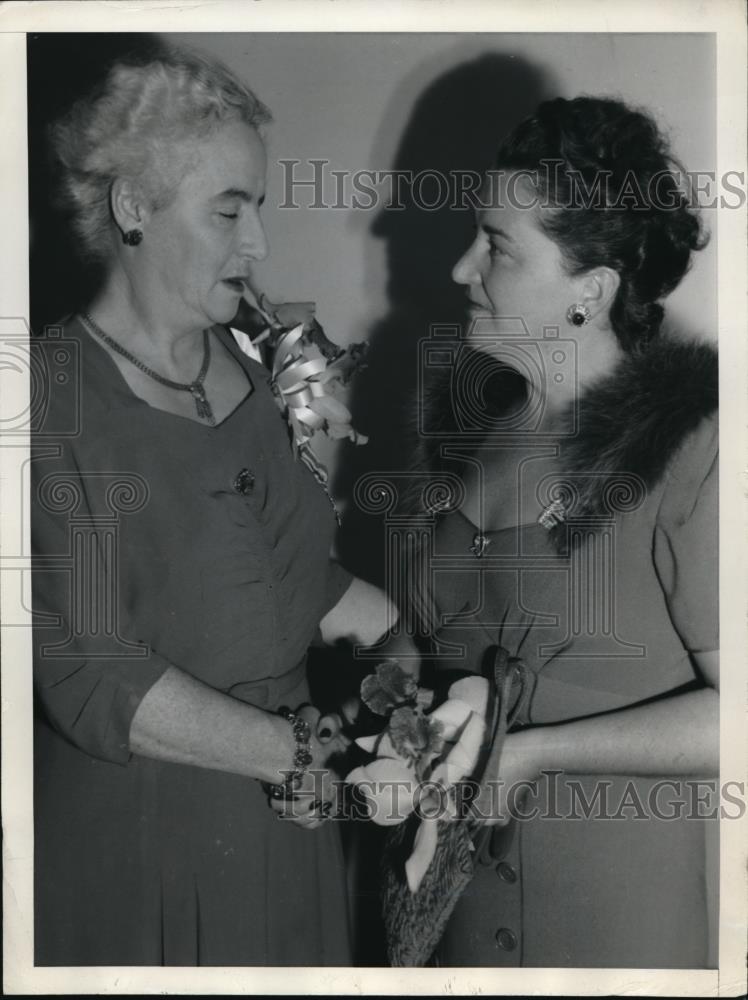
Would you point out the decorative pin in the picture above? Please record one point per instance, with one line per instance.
(480, 544)
(244, 482)
(554, 513)
(439, 506)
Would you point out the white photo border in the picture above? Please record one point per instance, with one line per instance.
(723, 17)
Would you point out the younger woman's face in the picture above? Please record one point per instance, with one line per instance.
(518, 295)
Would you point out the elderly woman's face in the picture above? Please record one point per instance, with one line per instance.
(517, 287)
(201, 246)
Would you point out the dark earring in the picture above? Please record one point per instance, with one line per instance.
(132, 237)
(578, 314)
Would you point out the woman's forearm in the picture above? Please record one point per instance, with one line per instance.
(676, 735)
(365, 616)
(184, 721)
(362, 615)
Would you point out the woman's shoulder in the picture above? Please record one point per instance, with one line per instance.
(64, 373)
(693, 473)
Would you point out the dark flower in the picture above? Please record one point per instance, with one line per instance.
(388, 687)
(414, 735)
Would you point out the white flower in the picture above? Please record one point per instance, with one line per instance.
(390, 788)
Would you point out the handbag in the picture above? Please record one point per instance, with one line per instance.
(414, 922)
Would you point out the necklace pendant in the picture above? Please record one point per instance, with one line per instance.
(203, 407)
(480, 544)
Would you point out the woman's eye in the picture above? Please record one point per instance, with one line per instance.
(495, 250)
(229, 215)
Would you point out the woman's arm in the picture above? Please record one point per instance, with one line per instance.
(362, 616)
(678, 735)
(672, 736)
(184, 721)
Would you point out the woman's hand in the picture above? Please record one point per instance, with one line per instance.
(520, 767)
(678, 735)
(331, 724)
(317, 797)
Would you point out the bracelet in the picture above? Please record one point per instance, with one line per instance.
(302, 757)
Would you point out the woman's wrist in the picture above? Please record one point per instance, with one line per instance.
(530, 747)
(286, 747)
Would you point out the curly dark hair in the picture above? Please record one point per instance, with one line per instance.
(606, 174)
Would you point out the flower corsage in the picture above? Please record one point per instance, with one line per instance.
(420, 756)
(309, 372)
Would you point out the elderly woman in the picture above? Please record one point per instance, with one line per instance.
(587, 548)
(182, 566)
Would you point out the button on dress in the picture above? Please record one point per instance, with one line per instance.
(584, 881)
(160, 541)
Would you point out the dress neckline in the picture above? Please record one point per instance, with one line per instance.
(106, 364)
(493, 532)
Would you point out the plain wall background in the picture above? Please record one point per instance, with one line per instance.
(382, 102)
(350, 99)
(434, 101)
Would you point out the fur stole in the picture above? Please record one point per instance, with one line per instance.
(635, 420)
(632, 421)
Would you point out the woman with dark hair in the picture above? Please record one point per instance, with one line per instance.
(182, 566)
(586, 544)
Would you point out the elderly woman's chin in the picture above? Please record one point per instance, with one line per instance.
(224, 302)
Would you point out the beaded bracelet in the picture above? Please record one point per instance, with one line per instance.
(302, 757)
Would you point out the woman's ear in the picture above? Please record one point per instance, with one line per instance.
(598, 289)
(128, 205)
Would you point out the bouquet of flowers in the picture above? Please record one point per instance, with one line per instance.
(420, 756)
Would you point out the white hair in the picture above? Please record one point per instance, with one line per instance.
(139, 124)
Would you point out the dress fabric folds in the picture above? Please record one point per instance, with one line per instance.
(159, 541)
(585, 877)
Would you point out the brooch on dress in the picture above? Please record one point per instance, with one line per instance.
(555, 513)
(480, 544)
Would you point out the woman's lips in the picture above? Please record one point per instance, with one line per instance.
(236, 284)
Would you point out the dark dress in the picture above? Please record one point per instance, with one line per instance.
(585, 881)
(162, 541)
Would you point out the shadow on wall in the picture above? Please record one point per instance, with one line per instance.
(456, 125)
(61, 68)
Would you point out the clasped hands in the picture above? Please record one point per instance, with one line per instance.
(317, 798)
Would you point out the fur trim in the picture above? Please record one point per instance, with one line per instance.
(635, 420)
(632, 421)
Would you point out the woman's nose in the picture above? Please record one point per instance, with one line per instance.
(254, 243)
(465, 271)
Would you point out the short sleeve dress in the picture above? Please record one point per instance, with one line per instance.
(161, 541)
(608, 871)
